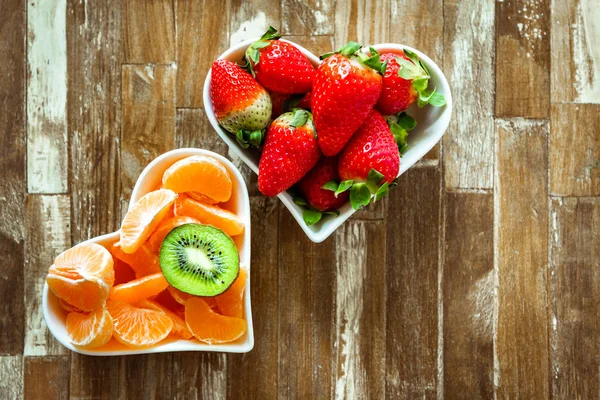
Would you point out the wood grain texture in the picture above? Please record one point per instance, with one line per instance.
(148, 118)
(11, 377)
(412, 259)
(316, 44)
(360, 328)
(263, 359)
(199, 376)
(97, 377)
(575, 292)
(575, 43)
(250, 19)
(148, 376)
(306, 299)
(575, 150)
(363, 21)
(206, 18)
(48, 221)
(468, 290)
(523, 58)
(148, 31)
(313, 17)
(94, 116)
(47, 156)
(13, 29)
(46, 377)
(521, 191)
(192, 129)
(468, 54)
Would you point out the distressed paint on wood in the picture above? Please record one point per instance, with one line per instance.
(11, 377)
(207, 18)
(412, 258)
(575, 51)
(575, 150)
(148, 31)
(523, 58)
(468, 295)
(521, 206)
(575, 297)
(316, 44)
(250, 19)
(199, 376)
(48, 221)
(46, 377)
(47, 157)
(313, 17)
(363, 21)
(94, 116)
(468, 65)
(360, 311)
(192, 129)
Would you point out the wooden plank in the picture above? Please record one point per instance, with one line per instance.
(97, 377)
(575, 297)
(148, 31)
(313, 17)
(13, 184)
(468, 291)
(47, 162)
(48, 221)
(575, 150)
(316, 44)
(148, 118)
(192, 129)
(523, 58)
(360, 329)
(412, 264)
(148, 376)
(11, 377)
(364, 21)
(575, 41)
(94, 117)
(262, 361)
(46, 377)
(306, 299)
(198, 19)
(250, 19)
(468, 49)
(199, 376)
(521, 204)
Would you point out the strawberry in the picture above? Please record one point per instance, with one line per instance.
(405, 81)
(346, 88)
(311, 186)
(290, 151)
(241, 105)
(280, 102)
(305, 102)
(278, 65)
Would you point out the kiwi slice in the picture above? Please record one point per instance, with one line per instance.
(199, 259)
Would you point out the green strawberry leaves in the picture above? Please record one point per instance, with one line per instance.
(415, 70)
(375, 62)
(361, 192)
(300, 118)
(253, 53)
(246, 138)
(310, 215)
(360, 195)
(400, 125)
(352, 49)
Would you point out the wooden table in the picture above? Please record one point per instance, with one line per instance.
(478, 277)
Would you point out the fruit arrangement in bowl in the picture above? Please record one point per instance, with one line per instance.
(327, 135)
(175, 277)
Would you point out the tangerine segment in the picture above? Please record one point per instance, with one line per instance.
(201, 174)
(138, 327)
(68, 307)
(201, 198)
(231, 301)
(180, 328)
(82, 276)
(90, 330)
(123, 272)
(164, 228)
(182, 298)
(139, 289)
(208, 214)
(210, 327)
(143, 217)
(143, 261)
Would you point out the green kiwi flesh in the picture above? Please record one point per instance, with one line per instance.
(199, 259)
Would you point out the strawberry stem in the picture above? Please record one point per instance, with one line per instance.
(349, 49)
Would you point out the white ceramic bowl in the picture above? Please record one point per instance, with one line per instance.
(149, 180)
(432, 122)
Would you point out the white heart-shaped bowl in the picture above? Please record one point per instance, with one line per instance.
(149, 180)
(432, 122)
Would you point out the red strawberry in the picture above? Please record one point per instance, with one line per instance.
(346, 88)
(241, 105)
(280, 104)
(311, 186)
(290, 151)
(370, 161)
(305, 102)
(405, 81)
(278, 65)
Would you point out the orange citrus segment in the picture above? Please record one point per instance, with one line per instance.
(208, 214)
(82, 276)
(138, 327)
(139, 289)
(180, 328)
(68, 307)
(231, 301)
(123, 272)
(143, 261)
(164, 228)
(143, 217)
(210, 327)
(90, 330)
(201, 174)
(201, 198)
(182, 298)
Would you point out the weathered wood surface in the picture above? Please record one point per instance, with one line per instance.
(477, 277)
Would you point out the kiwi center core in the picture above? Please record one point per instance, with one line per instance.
(198, 257)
